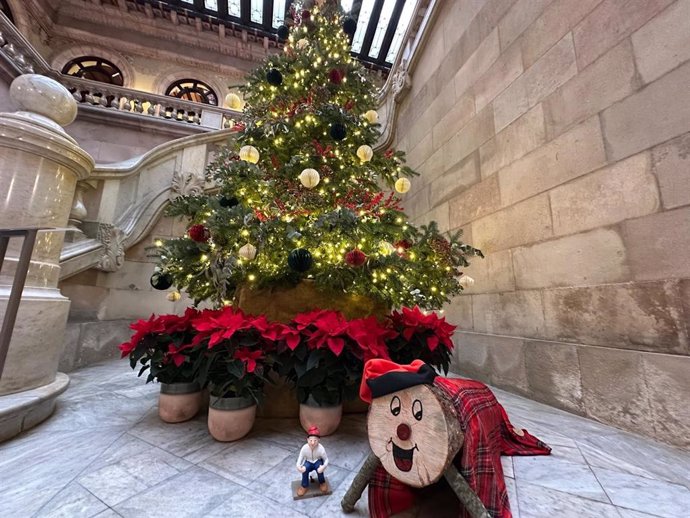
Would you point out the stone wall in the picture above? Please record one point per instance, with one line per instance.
(554, 133)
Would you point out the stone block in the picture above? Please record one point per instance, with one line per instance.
(492, 274)
(614, 387)
(99, 340)
(86, 301)
(664, 42)
(552, 70)
(606, 81)
(459, 312)
(453, 120)
(475, 202)
(518, 313)
(520, 16)
(492, 12)
(515, 141)
(610, 195)
(671, 165)
(640, 316)
(433, 167)
(658, 245)
(456, 17)
(131, 276)
(455, 180)
(506, 69)
(470, 359)
(125, 304)
(588, 258)
(416, 202)
(439, 214)
(669, 391)
(68, 358)
(39, 413)
(443, 103)
(653, 115)
(554, 23)
(553, 374)
(573, 154)
(469, 138)
(609, 23)
(419, 153)
(526, 222)
(478, 63)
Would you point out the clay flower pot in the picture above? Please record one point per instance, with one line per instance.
(326, 418)
(230, 418)
(179, 402)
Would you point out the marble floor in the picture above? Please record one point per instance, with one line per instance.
(105, 453)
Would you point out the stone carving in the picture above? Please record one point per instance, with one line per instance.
(113, 238)
(186, 184)
(402, 82)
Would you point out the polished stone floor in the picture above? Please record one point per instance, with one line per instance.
(105, 453)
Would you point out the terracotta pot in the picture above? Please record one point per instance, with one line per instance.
(327, 418)
(230, 418)
(179, 402)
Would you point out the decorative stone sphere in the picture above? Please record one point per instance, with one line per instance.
(365, 153)
(248, 252)
(309, 178)
(372, 116)
(249, 154)
(45, 96)
(402, 185)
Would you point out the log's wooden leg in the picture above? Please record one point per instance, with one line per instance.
(360, 481)
(468, 497)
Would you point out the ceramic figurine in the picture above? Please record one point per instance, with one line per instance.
(312, 457)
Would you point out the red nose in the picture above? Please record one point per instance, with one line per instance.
(404, 432)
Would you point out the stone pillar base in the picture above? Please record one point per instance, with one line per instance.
(24, 410)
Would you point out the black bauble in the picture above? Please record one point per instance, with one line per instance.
(161, 281)
(300, 260)
(338, 131)
(228, 202)
(283, 32)
(274, 77)
(349, 26)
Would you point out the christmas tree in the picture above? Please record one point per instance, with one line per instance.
(303, 194)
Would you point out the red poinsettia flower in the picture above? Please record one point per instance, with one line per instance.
(277, 332)
(329, 330)
(249, 358)
(221, 326)
(142, 327)
(414, 321)
(175, 353)
(371, 337)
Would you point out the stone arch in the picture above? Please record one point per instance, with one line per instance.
(66, 55)
(165, 79)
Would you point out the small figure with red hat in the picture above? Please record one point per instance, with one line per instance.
(312, 457)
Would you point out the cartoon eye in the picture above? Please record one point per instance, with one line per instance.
(395, 405)
(417, 409)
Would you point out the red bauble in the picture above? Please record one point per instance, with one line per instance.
(336, 76)
(355, 257)
(306, 14)
(198, 233)
(403, 243)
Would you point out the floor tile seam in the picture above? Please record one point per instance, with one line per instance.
(638, 511)
(566, 492)
(667, 482)
(128, 432)
(599, 481)
(74, 479)
(220, 474)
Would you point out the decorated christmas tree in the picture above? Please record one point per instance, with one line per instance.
(304, 194)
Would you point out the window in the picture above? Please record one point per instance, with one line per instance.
(192, 90)
(96, 69)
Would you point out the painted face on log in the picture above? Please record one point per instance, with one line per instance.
(409, 434)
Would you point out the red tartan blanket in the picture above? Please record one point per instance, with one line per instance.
(488, 435)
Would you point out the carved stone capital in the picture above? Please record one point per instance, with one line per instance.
(113, 239)
(186, 184)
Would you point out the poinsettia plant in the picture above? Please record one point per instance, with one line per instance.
(421, 336)
(236, 355)
(164, 346)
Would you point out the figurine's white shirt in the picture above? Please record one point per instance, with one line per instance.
(306, 453)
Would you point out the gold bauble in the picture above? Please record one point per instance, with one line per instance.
(248, 252)
(402, 185)
(249, 154)
(386, 248)
(173, 296)
(372, 116)
(233, 101)
(365, 153)
(310, 178)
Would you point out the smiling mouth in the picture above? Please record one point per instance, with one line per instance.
(403, 457)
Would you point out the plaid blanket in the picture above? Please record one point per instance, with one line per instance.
(488, 435)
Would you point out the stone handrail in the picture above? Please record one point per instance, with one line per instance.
(24, 58)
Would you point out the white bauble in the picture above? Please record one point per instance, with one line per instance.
(310, 178)
(466, 281)
(385, 248)
(402, 185)
(233, 101)
(302, 44)
(372, 116)
(248, 252)
(173, 296)
(365, 153)
(249, 154)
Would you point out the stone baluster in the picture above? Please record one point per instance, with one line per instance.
(40, 165)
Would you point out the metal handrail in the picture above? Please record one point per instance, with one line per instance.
(8, 321)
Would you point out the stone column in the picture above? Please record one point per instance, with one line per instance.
(39, 168)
